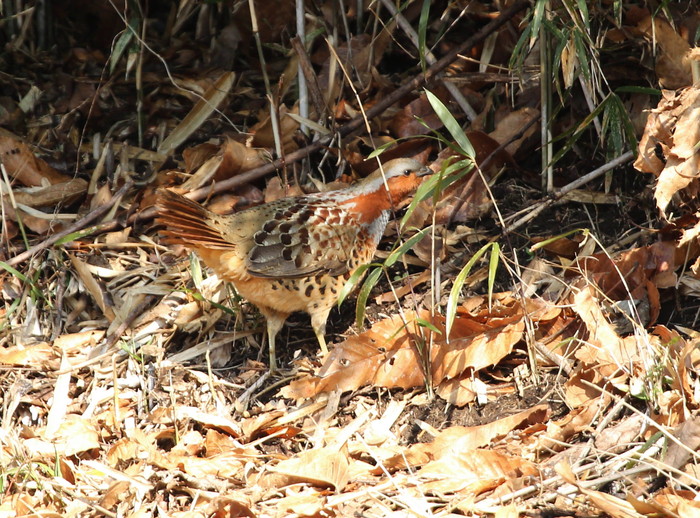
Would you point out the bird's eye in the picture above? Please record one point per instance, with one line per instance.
(407, 172)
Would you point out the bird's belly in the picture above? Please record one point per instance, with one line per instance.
(288, 295)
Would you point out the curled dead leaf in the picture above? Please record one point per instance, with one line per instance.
(389, 354)
(326, 467)
(668, 147)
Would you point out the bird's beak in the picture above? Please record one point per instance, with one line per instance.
(424, 171)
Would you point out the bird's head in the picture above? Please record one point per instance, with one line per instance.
(386, 187)
(401, 176)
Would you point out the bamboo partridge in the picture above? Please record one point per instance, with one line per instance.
(293, 254)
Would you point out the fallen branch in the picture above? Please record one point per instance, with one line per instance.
(87, 220)
(558, 195)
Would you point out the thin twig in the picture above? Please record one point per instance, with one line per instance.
(301, 78)
(306, 70)
(357, 122)
(75, 227)
(555, 197)
(430, 59)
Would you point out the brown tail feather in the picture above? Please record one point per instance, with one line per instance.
(187, 223)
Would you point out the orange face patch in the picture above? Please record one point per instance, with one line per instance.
(400, 186)
(367, 207)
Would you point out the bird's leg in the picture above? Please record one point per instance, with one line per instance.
(275, 321)
(321, 337)
(318, 322)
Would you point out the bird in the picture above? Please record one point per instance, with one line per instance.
(295, 253)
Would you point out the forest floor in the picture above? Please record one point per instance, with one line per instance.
(515, 351)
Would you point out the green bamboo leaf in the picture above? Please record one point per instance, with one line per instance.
(557, 33)
(583, 11)
(518, 55)
(353, 281)
(14, 272)
(493, 268)
(119, 47)
(9, 311)
(383, 148)
(546, 242)
(537, 18)
(453, 299)
(575, 134)
(123, 42)
(582, 50)
(617, 9)
(363, 295)
(422, 32)
(437, 183)
(612, 127)
(198, 296)
(424, 323)
(405, 247)
(451, 124)
(74, 236)
(628, 126)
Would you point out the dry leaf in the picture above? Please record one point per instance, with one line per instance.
(22, 165)
(75, 435)
(473, 471)
(37, 355)
(672, 64)
(462, 438)
(615, 507)
(511, 125)
(322, 467)
(668, 147)
(92, 286)
(205, 106)
(263, 134)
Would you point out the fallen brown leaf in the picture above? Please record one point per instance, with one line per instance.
(668, 147)
(326, 467)
(464, 438)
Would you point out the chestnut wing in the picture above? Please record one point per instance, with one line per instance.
(305, 238)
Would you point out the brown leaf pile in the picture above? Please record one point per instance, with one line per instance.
(131, 379)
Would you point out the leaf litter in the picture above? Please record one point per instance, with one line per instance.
(131, 378)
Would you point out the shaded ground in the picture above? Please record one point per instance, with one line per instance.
(132, 379)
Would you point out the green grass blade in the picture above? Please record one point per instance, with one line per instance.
(119, 47)
(405, 247)
(378, 151)
(14, 272)
(544, 243)
(437, 183)
(198, 296)
(493, 269)
(74, 236)
(637, 90)
(363, 295)
(582, 50)
(424, 323)
(537, 18)
(583, 11)
(9, 311)
(353, 281)
(518, 55)
(453, 299)
(422, 32)
(579, 130)
(451, 124)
